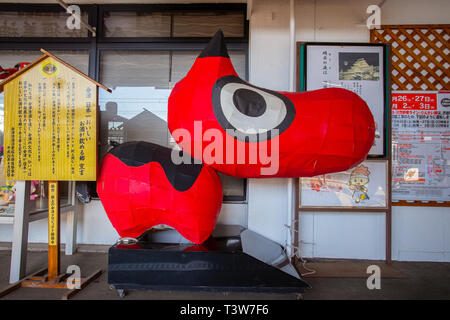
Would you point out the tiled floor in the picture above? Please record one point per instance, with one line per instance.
(425, 280)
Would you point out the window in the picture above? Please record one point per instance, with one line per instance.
(140, 52)
(136, 24)
(173, 24)
(137, 107)
(205, 24)
(38, 24)
(141, 82)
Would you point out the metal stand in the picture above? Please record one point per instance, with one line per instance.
(234, 259)
(22, 218)
(20, 232)
(40, 279)
(49, 277)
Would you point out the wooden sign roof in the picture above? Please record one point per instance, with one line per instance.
(45, 55)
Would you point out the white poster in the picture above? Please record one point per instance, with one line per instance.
(356, 68)
(362, 186)
(420, 145)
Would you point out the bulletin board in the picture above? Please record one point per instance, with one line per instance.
(365, 69)
(420, 109)
(358, 67)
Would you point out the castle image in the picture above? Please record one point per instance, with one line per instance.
(360, 70)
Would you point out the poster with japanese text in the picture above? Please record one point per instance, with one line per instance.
(362, 186)
(356, 68)
(50, 125)
(420, 145)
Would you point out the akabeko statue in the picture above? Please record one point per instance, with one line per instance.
(246, 131)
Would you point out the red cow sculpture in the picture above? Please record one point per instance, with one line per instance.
(225, 121)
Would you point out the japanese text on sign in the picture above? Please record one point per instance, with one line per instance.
(50, 124)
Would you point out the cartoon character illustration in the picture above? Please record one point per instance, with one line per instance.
(359, 178)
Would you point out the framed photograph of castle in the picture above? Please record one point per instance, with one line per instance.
(362, 187)
(360, 67)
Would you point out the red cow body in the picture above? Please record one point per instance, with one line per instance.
(141, 187)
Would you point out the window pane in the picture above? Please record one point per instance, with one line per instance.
(239, 62)
(232, 186)
(122, 68)
(202, 24)
(77, 59)
(136, 24)
(137, 107)
(172, 24)
(38, 24)
(182, 62)
(39, 195)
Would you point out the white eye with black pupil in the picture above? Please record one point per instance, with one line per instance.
(250, 110)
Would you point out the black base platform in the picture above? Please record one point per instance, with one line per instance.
(233, 259)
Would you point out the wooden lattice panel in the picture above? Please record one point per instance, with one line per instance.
(420, 55)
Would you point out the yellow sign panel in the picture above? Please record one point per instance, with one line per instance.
(50, 125)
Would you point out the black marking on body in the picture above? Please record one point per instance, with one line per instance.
(139, 153)
(249, 102)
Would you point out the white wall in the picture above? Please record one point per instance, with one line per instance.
(421, 234)
(267, 208)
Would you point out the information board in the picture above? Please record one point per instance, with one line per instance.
(50, 124)
(420, 145)
(359, 68)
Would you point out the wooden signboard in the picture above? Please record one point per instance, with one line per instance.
(50, 123)
(51, 112)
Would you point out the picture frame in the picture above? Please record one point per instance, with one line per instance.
(363, 68)
(362, 188)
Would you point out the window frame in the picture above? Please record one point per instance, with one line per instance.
(171, 8)
(95, 45)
